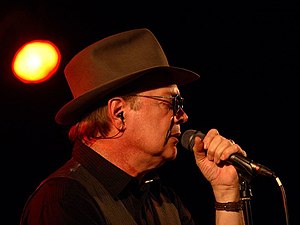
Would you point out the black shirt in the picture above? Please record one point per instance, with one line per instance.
(63, 201)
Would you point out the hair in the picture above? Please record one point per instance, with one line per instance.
(96, 124)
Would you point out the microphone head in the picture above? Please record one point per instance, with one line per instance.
(188, 138)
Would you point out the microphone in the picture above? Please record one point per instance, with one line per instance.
(237, 160)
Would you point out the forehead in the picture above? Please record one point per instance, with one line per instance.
(155, 82)
(171, 89)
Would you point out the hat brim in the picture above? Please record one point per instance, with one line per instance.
(73, 111)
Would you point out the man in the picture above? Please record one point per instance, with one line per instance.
(125, 122)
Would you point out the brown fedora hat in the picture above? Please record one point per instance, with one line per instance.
(111, 63)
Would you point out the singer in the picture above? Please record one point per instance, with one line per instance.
(124, 121)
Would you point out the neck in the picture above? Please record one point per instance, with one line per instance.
(132, 161)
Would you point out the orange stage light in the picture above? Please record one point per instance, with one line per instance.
(36, 61)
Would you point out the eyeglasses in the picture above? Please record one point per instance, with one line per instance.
(177, 101)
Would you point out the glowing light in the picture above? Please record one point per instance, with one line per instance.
(36, 61)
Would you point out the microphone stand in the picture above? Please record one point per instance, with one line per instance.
(246, 196)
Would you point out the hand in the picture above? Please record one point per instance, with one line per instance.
(211, 154)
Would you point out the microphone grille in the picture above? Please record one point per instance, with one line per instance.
(187, 138)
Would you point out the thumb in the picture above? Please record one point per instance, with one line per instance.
(198, 149)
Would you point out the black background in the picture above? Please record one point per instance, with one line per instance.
(247, 55)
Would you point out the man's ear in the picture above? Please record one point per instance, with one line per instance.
(115, 109)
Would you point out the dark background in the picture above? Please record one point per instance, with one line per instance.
(248, 58)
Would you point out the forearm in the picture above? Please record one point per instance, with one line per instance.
(228, 217)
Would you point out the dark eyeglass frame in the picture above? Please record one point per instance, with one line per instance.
(177, 101)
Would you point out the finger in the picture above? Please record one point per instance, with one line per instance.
(199, 144)
(223, 150)
(232, 148)
(215, 148)
(198, 149)
(211, 134)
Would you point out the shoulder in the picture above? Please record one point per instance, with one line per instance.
(60, 190)
(61, 200)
